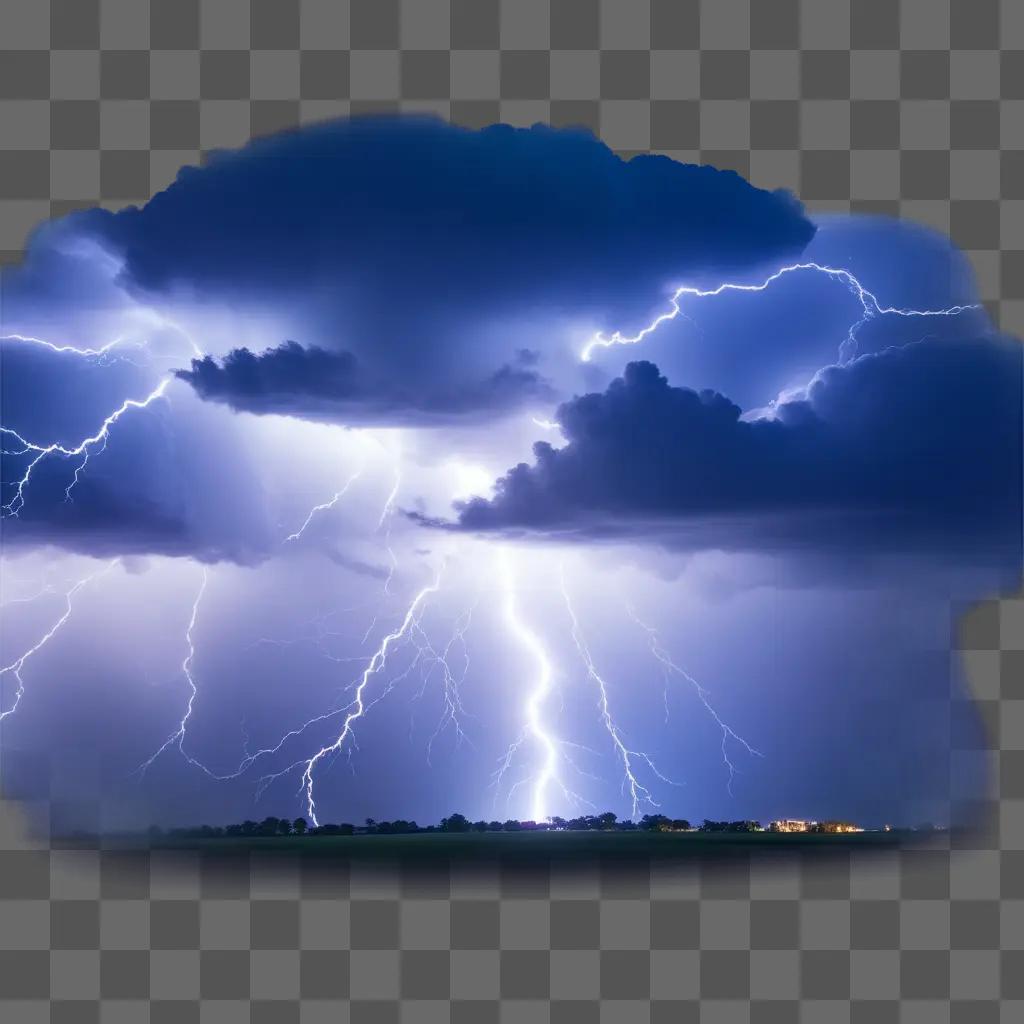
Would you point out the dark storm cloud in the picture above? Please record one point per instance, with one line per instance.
(530, 202)
(912, 445)
(412, 249)
(332, 386)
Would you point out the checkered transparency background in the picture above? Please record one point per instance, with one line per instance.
(910, 107)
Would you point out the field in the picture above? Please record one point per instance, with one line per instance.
(531, 846)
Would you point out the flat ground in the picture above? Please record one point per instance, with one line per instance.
(531, 846)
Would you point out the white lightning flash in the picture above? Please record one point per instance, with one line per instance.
(669, 666)
(452, 711)
(88, 353)
(157, 319)
(83, 450)
(869, 304)
(358, 706)
(325, 506)
(386, 515)
(42, 591)
(533, 708)
(549, 424)
(639, 794)
(16, 666)
(389, 504)
(178, 736)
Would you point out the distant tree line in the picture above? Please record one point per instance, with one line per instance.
(454, 823)
(607, 822)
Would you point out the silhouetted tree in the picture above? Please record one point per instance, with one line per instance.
(653, 822)
(344, 829)
(299, 826)
(455, 823)
(730, 826)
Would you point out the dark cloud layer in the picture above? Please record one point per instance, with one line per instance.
(373, 195)
(911, 445)
(332, 386)
(424, 255)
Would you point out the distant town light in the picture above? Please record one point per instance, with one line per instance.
(799, 825)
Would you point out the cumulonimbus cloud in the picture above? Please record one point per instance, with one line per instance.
(920, 444)
(416, 252)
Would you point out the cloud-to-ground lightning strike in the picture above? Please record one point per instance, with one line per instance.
(324, 506)
(669, 666)
(177, 738)
(639, 794)
(533, 708)
(83, 450)
(358, 706)
(16, 666)
(870, 306)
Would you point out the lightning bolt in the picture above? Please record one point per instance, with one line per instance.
(639, 793)
(358, 706)
(89, 353)
(151, 316)
(42, 591)
(534, 727)
(670, 666)
(428, 658)
(870, 306)
(178, 736)
(83, 450)
(325, 506)
(548, 424)
(16, 666)
(389, 503)
(452, 709)
(385, 518)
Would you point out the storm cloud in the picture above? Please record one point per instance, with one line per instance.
(423, 256)
(913, 445)
(316, 384)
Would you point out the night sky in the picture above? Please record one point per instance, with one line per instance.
(382, 469)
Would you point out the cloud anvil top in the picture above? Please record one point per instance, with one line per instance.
(439, 469)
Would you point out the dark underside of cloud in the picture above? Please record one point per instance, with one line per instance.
(367, 196)
(912, 446)
(421, 255)
(315, 384)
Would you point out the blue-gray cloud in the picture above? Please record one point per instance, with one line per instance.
(911, 446)
(316, 384)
